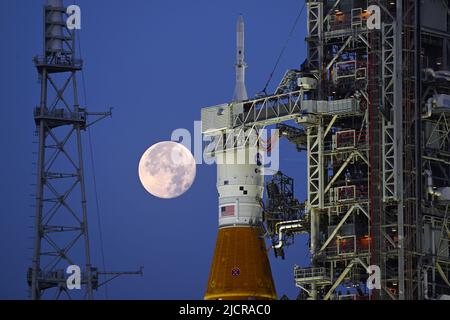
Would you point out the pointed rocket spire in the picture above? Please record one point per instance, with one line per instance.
(240, 92)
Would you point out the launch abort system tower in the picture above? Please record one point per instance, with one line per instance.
(371, 104)
(240, 269)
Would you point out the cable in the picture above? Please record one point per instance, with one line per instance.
(91, 151)
(97, 208)
(291, 33)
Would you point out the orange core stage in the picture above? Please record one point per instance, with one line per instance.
(240, 269)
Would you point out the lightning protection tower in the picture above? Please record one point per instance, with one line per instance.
(61, 234)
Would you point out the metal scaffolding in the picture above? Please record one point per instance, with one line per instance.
(374, 104)
(61, 236)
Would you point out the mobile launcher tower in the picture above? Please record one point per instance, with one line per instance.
(372, 108)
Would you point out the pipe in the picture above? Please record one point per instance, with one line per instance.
(430, 72)
(280, 233)
(431, 102)
(430, 188)
(433, 259)
(425, 285)
(443, 75)
(418, 136)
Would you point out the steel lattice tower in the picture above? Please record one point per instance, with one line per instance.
(372, 105)
(61, 223)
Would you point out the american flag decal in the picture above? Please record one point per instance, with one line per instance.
(227, 211)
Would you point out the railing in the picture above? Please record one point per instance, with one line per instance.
(333, 251)
(356, 19)
(277, 108)
(58, 278)
(60, 114)
(311, 275)
(62, 60)
(270, 108)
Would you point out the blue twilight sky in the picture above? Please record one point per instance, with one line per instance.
(157, 62)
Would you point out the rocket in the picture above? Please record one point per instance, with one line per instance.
(240, 92)
(240, 268)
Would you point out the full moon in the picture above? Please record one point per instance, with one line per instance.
(167, 169)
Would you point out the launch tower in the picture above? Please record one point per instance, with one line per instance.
(372, 107)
